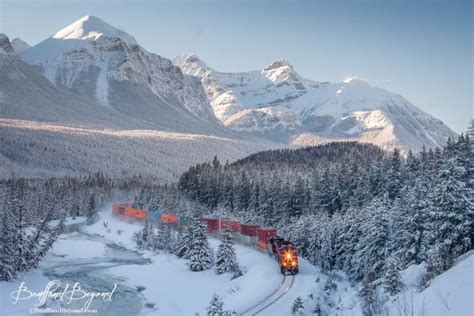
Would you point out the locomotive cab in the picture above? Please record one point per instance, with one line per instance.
(288, 258)
(273, 244)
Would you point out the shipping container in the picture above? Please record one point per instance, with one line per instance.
(248, 234)
(234, 225)
(184, 220)
(212, 225)
(119, 209)
(169, 218)
(263, 234)
(154, 217)
(248, 229)
(135, 213)
(128, 212)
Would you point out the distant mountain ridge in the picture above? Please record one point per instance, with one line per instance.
(279, 104)
(90, 94)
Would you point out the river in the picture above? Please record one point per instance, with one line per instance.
(92, 275)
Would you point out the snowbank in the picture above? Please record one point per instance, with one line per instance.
(34, 280)
(450, 293)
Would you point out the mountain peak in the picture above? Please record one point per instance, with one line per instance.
(191, 64)
(280, 63)
(19, 45)
(281, 71)
(90, 27)
(5, 46)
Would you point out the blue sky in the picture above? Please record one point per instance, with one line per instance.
(422, 49)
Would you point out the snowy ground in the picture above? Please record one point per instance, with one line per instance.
(451, 293)
(172, 289)
(161, 284)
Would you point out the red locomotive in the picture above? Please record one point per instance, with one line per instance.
(285, 253)
(263, 238)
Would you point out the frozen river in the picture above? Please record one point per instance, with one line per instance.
(84, 258)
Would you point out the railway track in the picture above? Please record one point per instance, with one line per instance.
(283, 288)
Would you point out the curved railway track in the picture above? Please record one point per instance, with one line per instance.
(283, 288)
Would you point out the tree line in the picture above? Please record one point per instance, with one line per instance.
(352, 206)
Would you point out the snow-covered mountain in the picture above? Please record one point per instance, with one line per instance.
(19, 46)
(96, 60)
(48, 130)
(278, 103)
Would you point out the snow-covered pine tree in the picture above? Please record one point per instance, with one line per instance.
(435, 261)
(145, 237)
(450, 219)
(199, 252)
(160, 239)
(8, 259)
(298, 307)
(373, 244)
(48, 242)
(226, 257)
(394, 175)
(368, 295)
(392, 282)
(216, 306)
(183, 245)
(91, 206)
(326, 253)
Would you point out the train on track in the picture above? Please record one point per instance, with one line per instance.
(263, 238)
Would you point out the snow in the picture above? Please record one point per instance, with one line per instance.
(76, 249)
(34, 280)
(91, 51)
(91, 28)
(175, 290)
(236, 99)
(123, 151)
(102, 91)
(450, 293)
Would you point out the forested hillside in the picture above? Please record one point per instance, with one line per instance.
(351, 206)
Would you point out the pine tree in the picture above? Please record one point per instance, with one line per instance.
(392, 280)
(161, 239)
(146, 237)
(451, 216)
(326, 253)
(8, 259)
(226, 258)
(216, 306)
(91, 206)
(368, 295)
(199, 252)
(394, 175)
(298, 307)
(184, 243)
(373, 244)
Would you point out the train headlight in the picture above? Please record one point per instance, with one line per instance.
(293, 263)
(288, 255)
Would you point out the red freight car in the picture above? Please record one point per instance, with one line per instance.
(248, 233)
(212, 225)
(234, 225)
(263, 235)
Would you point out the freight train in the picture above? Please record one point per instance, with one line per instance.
(263, 238)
